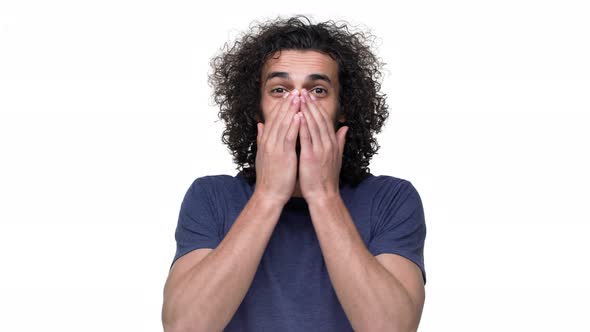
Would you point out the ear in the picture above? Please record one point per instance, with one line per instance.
(341, 117)
(258, 115)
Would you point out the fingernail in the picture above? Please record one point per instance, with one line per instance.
(295, 99)
(296, 92)
(286, 95)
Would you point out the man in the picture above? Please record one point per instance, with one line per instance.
(305, 238)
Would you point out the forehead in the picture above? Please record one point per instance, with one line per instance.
(301, 63)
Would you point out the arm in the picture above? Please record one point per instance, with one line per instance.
(372, 297)
(206, 296)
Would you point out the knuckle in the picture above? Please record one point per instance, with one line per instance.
(265, 147)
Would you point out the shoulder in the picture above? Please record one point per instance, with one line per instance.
(377, 189)
(209, 194)
(219, 186)
(212, 182)
(394, 195)
(387, 185)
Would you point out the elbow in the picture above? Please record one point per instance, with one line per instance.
(390, 326)
(176, 324)
(172, 323)
(182, 327)
(398, 328)
(398, 324)
(405, 326)
(170, 327)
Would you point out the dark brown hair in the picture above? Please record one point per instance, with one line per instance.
(236, 84)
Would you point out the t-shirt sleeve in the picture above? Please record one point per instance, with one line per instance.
(399, 226)
(197, 222)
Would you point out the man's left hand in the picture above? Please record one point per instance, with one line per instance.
(321, 151)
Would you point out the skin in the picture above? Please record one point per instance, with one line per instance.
(298, 64)
(378, 293)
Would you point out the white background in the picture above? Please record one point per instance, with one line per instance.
(106, 119)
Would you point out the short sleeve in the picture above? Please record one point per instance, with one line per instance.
(197, 224)
(399, 225)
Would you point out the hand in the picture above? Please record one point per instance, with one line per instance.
(321, 151)
(276, 159)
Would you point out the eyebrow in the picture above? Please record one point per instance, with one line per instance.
(310, 77)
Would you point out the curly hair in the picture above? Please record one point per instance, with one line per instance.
(236, 83)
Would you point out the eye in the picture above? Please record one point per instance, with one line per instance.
(321, 89)
(282, 90)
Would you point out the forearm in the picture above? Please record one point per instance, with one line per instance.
(372, 298)
(208, 295)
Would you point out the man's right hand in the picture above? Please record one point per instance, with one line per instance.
(276, 159)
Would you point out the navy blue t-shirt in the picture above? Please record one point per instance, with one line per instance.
(291, 290)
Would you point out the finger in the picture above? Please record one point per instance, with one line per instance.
(304, 136)
(275, 113)
(341, 136)
(312, 126)
(284, 120)
(318, 114)
(291, 137)
(282, 103)
(260, 127)
(321, 111)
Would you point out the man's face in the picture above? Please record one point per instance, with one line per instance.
(296, 70)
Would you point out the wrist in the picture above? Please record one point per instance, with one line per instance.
(268, 200)
(323, 200)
